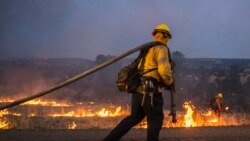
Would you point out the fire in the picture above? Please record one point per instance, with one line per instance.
(188, 117)
(32, 115)
(37, 102)
(72, 125)
(143, 124)
(212, 118)
(4, 123)
(209, 113)
(6, 100)
(4, 112)
(107, 113)
(45, 103)
(57, 115)
(88, 113)
(207, 117)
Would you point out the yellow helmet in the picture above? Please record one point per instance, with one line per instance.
(220, 95)
(162, 28)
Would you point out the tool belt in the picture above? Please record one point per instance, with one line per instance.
(149, 86)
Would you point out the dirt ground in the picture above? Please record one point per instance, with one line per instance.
(237, 133)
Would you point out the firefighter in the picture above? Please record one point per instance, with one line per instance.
(148, 100)
(216, 104)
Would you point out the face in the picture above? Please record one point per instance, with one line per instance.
(160, 37)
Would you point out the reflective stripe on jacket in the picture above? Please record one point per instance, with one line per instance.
(157, 57)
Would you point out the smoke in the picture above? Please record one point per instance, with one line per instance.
(84, 29)
(22, 81)
(22, 78)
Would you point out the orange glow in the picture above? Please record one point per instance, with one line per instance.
(72, 125)
(45, 103)
(4, 112)
(143, 124)
(4, 123)
(51, 114)
(188, 117)
(37, 102)
(212, 118)
(88, 113)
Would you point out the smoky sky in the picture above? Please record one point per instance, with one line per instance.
(86, 28)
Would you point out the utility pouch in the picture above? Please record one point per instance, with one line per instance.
(149, 85)
(128, 79)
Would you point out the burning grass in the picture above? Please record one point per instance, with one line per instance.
(41, 114)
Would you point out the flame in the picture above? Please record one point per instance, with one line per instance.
(212, 118)
(209, 113)
(37, 102)
(32, 115)
(4, 112)
(4, 123)
(188, 117)
(72, 125)
(143, 125)
(88, 113)
(16, 114)
(6, 100)
(107, 113)
(45, 103)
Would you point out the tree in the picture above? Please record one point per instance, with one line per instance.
(102, 58)
(179, 60)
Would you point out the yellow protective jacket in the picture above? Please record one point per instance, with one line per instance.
(157, 57)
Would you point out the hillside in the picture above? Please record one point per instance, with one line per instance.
(197, 80)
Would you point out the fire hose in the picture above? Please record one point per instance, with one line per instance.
(73, 79)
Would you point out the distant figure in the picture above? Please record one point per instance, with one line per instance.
(216, 104)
